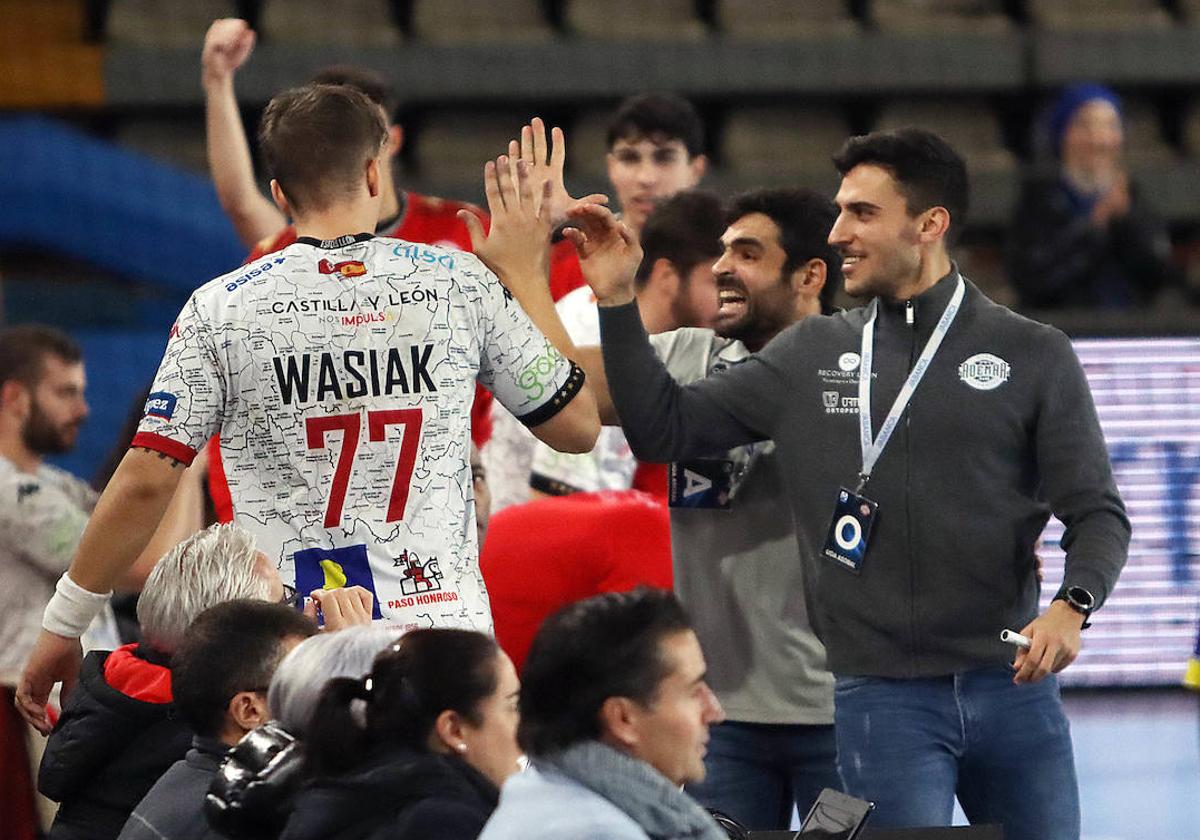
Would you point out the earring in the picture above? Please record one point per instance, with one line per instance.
(462, 748)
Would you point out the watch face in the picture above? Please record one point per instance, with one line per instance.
(1081, 597)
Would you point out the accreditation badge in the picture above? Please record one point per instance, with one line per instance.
(850, 530)
(701, 484)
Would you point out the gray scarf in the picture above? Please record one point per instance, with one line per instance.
(662, 810)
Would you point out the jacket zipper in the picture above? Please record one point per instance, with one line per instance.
(910, 319)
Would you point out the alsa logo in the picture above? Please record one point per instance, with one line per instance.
(345, 269)
(262, 268)
(161, 404)
(984, 372)
(416, 253)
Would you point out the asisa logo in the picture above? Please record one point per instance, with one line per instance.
(262, 268)
(984, 371)
(345, 268)
(161, 404)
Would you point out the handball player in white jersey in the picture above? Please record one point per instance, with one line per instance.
(339, 373)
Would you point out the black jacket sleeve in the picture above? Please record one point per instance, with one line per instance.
(664, 421)
(1076, 474)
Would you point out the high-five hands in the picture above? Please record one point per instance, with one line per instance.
(609, 252)
(517, 244)
(546, 162)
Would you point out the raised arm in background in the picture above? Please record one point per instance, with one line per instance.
(227, 46)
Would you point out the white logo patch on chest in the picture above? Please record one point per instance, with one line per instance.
(984, 371)
(848, 361)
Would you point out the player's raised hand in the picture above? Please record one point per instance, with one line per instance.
(227, 45)
(546, 162)
(609, 252)
(517, 244)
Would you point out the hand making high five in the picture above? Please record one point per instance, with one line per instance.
(546, 162)
(517, 244)
(609, 252)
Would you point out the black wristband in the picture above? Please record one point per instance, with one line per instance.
(558, 402)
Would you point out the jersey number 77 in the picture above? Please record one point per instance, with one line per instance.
(377, 424)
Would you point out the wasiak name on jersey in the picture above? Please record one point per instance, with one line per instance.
(315, 377)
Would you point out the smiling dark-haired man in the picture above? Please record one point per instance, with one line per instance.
(924, 439)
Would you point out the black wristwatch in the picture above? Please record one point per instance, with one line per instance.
(1080, 600)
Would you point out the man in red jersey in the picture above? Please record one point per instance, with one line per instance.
(655, 149)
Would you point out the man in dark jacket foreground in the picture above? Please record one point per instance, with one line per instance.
(221, 673)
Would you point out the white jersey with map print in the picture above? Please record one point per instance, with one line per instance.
(340, 375)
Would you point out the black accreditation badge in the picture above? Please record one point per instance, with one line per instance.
(850, 530)
(704, 483)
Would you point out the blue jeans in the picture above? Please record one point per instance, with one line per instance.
(1005, 751)
(756, 772)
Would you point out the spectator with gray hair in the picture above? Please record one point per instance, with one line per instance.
(300, 677)
(119, 730)
(212, 566)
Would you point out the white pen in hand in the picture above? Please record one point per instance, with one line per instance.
(1015, 638)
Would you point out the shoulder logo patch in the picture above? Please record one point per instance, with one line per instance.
(984, 371)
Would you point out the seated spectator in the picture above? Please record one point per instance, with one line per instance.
(425, 759)
(119, 730)
(303, 673)
(253, 798)
(219, 676)
(1083, 235)
(614, 717)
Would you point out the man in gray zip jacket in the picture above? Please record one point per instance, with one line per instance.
(999, 432)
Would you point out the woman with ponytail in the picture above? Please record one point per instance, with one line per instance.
(418, 748)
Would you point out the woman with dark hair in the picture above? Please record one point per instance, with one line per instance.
(418, 748)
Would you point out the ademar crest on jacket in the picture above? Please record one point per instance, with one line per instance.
(984, 371)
